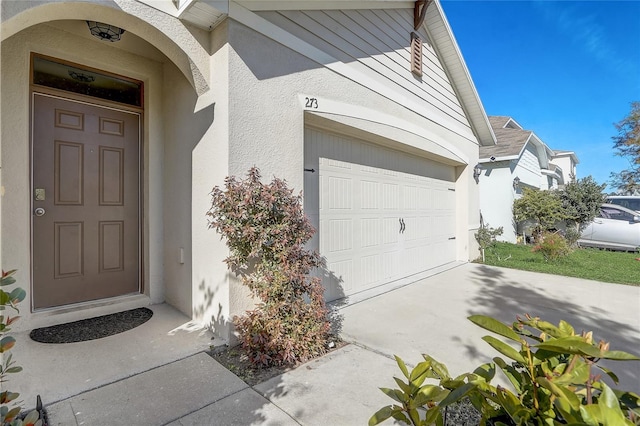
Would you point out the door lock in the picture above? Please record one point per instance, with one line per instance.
(39, 211)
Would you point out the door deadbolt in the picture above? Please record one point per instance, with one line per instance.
(39, 211)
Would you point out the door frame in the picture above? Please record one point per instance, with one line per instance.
(38, 90)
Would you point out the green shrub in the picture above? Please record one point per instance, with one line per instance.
(10, 410)
(552, 246)
(266, 231)
(551, 372)
(486, 237)
(544, 208)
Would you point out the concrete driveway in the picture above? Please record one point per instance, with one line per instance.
(341, 388)
(430, 316)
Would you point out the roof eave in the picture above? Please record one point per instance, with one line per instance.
(438, 28)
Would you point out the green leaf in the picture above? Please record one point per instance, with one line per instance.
(570, 345)
(13, 370)
(414, 416)
(457, 394)
(403, 386)
(546, 327)
(17, 295)
(590, 414)
(609, 373)
(402, 365)
(433, 414)
(568, 399)
(610, 408)
(486, 371)
(395, 394)
(6, 343)
(419, 373)
(504, 349)
(4, 298)
(381, 415)
(495, 326)
(618, 356)
(440, 370)
(630, 399)
(32, 417)
(566, 329)
(578, 375)
(430, 393)
(514, 376)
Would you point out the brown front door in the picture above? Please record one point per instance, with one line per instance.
(85, 233)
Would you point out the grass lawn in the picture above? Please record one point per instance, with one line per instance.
(592, 264)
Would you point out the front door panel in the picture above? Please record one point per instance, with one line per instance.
(85, 202)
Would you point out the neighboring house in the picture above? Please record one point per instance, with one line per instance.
(110, 148)
(567, 161)
(519, 160)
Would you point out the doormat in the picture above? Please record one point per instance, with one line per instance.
(92, 328)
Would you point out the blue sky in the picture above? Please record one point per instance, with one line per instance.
(567, 70)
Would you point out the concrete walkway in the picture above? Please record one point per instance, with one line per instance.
(341, 388)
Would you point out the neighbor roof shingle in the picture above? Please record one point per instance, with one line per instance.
(510, 141)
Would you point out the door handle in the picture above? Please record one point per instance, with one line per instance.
(39, 211)
(402, 225)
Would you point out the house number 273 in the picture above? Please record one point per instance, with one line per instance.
(311, 103)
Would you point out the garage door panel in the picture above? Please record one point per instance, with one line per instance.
(383, 215)
(339, 235)
(370, 235)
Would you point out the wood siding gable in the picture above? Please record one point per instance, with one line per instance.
(377, 43)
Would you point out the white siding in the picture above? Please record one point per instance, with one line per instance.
(528, 169)
(377, 43)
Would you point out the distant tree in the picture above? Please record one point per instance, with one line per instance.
(627, 145)
(544, 208)
(581, 201)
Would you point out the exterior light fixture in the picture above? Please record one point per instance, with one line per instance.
(477, 170)
(105, 31)
(516, 183)
(82, 77)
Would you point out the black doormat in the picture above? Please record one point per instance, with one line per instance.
(92, 328)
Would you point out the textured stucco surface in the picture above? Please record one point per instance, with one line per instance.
(216, 104)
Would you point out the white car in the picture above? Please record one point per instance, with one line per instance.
(615, 228)
(629, 201)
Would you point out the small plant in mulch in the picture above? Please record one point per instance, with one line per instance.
(10, 409)
(266, 232)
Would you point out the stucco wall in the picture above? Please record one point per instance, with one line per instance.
(496, 198)
(252, 114)
(266, 129)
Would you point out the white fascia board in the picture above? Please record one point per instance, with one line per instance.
(458, 73)
(498, 159)
(274, 32)
(541, 148)
(511, 120)
(264, 5)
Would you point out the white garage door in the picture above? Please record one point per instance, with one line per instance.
(381, 215)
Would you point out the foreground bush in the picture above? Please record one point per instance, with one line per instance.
(10, 409)
(266, 230)
(552, 374)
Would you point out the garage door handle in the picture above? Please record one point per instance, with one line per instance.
(402, 226)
